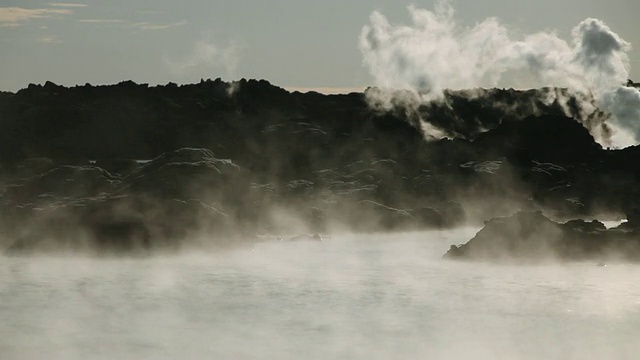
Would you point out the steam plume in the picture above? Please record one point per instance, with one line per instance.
(205, 57)
(434, 53)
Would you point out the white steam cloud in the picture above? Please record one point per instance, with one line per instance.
(434, 53)
(205, 58)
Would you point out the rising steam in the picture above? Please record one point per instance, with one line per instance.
(435, 53)
(204, 57)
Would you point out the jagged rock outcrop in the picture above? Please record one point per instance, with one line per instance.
(154, 164)
(158, 205)
(530, 236)
(65, 181)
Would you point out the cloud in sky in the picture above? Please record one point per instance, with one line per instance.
(101, 21)
(326, 90)
(205, 58)
(15, 16)
(49, 39)
(69, 5)
(145, 25)
(153, 26)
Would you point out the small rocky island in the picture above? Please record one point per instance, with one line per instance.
(530, 236)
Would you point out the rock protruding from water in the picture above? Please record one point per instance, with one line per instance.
(314, 237)
(531, 236)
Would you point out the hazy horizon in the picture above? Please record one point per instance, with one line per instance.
(291, 44)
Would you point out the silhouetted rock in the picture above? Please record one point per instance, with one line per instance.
(314, 237)
(151, 166)
(530, 236)
(187, 173)
(64, 181)
(122, 236)
(633, 217)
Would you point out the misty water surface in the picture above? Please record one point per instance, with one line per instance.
(353, 297)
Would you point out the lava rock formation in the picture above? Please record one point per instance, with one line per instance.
(126, 167)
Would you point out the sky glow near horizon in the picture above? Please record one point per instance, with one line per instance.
(294, 44)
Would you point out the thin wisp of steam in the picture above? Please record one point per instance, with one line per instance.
(204, 57)
(434, 53)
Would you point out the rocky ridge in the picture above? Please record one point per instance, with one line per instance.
(532, 237)
(128, 166)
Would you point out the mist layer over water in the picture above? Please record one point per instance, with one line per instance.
(354, 296)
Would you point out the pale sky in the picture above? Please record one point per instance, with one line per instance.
(291, 43)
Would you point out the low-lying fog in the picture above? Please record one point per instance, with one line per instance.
(379, 296)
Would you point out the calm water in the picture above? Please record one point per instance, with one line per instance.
(353, 297)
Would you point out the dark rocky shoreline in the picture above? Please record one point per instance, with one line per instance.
(530, 236)
(126, 167)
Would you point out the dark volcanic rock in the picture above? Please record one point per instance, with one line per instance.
(187, 172)
(530, 236)
(64, 181)
(161, 202)
(122, 236)
(130, 166)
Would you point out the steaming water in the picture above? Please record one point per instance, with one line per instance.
(354, 297)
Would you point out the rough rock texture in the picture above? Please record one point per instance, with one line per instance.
(129, 166)
(530, 236)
